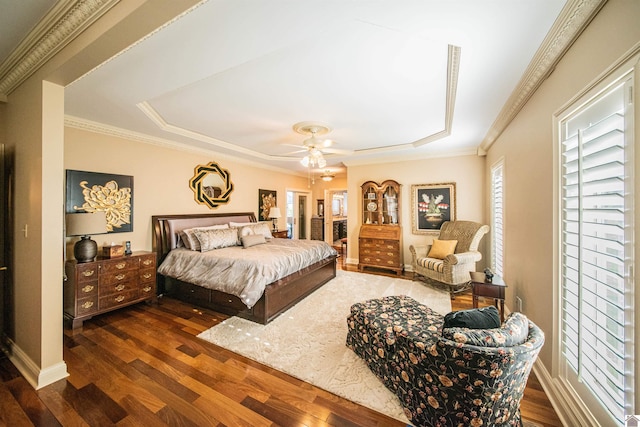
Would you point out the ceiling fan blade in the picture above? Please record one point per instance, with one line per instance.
(336, 151)
(304, 150)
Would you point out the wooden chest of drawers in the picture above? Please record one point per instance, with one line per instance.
(380, 246)
(96, 287)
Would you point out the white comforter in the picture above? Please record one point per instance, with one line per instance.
(244, 272)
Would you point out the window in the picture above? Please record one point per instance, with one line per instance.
(596, 250)
(497, 219)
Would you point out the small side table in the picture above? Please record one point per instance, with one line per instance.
(282, 234)
(494, 289)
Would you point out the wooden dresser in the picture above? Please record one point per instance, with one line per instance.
(380, 246)
(104, 285)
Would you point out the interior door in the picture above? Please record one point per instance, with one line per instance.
(302, 216)
(6, 308)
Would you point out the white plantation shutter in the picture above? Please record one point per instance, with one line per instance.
(497, 219)
(596, 249)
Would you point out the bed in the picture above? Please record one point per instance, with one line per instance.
(277, 296)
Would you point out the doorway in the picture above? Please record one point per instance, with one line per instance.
(298, 214)
(6, 282)
(335, 218)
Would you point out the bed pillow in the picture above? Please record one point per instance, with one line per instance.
(216, 238)
(441, 248)
(475, 318)
(252, 240)
(189, 238)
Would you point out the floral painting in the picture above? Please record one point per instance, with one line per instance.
(431, 205)
(94, 192)
(266, 201)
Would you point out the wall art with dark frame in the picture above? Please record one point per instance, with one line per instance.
(431, 205)
(267, 199)
(95, 191)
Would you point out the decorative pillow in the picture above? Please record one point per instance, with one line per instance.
(514, 331)
(475, 318)
(215, 239)
(255, 228)
(441, 248)
(252, 240)
(189, 238)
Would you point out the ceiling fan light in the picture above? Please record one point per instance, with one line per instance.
(305, 161)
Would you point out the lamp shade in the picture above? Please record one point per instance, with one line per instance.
(274, 213)
(84, 224)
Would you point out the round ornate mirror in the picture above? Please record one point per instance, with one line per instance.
(211, 185)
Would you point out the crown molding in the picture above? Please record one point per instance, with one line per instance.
(100, 128)
(573, 19)
(453, 70)
(57, 29)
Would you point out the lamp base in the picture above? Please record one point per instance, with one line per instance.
(85, 249)
(275, 224)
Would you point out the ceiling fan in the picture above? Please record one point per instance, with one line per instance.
(315, 147)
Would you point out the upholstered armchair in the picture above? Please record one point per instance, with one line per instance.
(445, 376)
(442, 266)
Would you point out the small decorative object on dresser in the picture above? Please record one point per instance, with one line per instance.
(380, 239)
(113, 251)
(104, 285)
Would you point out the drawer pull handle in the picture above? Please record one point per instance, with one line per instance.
(120, 276)
(87, 288)
(88, 273)
(119, 298)
(147, 275)
(120, 287)
(121, 265)
(146, 289)
(87, 305)
(147, 262)
(390, 253)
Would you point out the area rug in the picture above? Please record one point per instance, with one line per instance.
(308, 340)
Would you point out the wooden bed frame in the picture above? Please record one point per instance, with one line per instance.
(278, 296)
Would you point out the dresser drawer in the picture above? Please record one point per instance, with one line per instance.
(147, 275)
(148, 261)
(87, 272)
(114, 288)
(87, 289)
(87, 305)
(115, 277)
(119, 298)
(147, 290)
(119, 265)
(226, 301)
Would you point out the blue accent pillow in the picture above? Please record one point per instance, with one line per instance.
(475, 318)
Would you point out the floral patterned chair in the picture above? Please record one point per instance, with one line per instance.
(450, 376)
(450, 267)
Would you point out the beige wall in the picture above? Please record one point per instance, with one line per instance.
(161, 180)
(527, 148)
(32, 127)
(466, 171)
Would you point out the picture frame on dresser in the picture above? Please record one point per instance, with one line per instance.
(431, 206)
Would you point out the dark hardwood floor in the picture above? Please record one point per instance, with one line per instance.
(143, 366)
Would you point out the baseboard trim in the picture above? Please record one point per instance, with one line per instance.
(35, 376)
(570, 409)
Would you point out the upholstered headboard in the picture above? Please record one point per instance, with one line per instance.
(166, 227)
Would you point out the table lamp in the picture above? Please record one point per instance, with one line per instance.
(274, 214)
(84, 224)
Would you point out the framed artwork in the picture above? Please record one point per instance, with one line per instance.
(431, 205)
(94, 192)
(266, 201)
